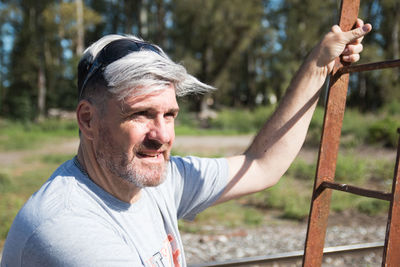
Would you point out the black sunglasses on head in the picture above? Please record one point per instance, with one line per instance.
(112, 52)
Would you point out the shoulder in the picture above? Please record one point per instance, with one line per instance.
(192, 163)
(184, 168)
(44, 205)
(59, 225)
(72, 239)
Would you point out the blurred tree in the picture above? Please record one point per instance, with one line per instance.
(249, 50)
(63, 28)
(45, 45)
(26, 63)
(390, 29)
(372, 90)
(220, 42)
(300, 25)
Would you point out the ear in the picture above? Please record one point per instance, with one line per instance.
(85, 114)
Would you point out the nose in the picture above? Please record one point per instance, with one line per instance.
(161, 131)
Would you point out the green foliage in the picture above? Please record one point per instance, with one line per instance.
(314, 131)
(354, 127)
(250, 50)
(382, 170)
(392, 108)
(372, 206)
(9, 206)
(302, 170)
(384, 131)
(350, 168)
(241, 121)
(56, 158)
(343, 201)
(289, 195)
(230, 214)
(5, 183)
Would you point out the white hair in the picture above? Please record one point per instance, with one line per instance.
(143, 71)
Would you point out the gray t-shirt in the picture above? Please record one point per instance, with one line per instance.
(71, 221)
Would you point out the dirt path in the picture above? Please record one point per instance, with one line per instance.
(190, 145)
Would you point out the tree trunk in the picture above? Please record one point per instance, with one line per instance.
(160, 35)
(143, 18)
(2, 89)
(80, 42)
(395, 35)
(42, 91)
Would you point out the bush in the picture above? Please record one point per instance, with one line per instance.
(372, 206)
(288, 195)
(242, 121)
(393, 108)
(302, 170)
(384, 131)
(350, 169)
(314, 132)
(382, 170)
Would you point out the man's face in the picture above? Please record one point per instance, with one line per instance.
(135, 137)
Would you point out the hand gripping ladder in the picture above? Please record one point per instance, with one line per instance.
(324, 180)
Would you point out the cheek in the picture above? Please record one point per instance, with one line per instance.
(135, 134)
(171, 132)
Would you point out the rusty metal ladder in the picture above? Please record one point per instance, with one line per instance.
(329, 146)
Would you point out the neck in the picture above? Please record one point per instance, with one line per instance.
(100, 175)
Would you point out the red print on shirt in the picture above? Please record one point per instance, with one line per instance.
(163, 257)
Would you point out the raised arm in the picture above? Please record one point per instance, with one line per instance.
(280, 139)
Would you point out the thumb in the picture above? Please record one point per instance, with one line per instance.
(359, 32)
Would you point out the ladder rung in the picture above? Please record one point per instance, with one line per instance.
(353, 190)
(369, 66)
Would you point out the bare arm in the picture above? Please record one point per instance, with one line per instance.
(280, 139)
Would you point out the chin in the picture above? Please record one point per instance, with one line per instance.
(146, 178)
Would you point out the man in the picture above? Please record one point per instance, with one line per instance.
(118, 201)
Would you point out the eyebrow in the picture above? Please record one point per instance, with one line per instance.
(126, 111)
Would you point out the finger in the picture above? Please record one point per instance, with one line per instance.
(353, 35)
(352, 49)
(359, 23)
(351, 58)
(336, 29)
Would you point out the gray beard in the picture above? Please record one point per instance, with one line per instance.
(126, 170)
(121, 166)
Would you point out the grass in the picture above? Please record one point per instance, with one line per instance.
(28, 135)
(230, 214)
(291, 195)
(358, 129)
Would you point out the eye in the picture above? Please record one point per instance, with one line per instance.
(139, 114)
(171, 114)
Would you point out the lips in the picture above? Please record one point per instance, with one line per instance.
(150, 154)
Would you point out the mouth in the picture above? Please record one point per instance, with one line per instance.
(150, 155)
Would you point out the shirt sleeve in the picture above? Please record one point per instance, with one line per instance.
(199, 182)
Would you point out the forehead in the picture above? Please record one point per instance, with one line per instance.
(163, 99)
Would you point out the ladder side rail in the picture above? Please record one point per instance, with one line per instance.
(334, 111)
(391, 256)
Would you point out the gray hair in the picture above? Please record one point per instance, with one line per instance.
(139, 72)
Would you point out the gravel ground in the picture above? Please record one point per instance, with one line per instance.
(222, 244)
